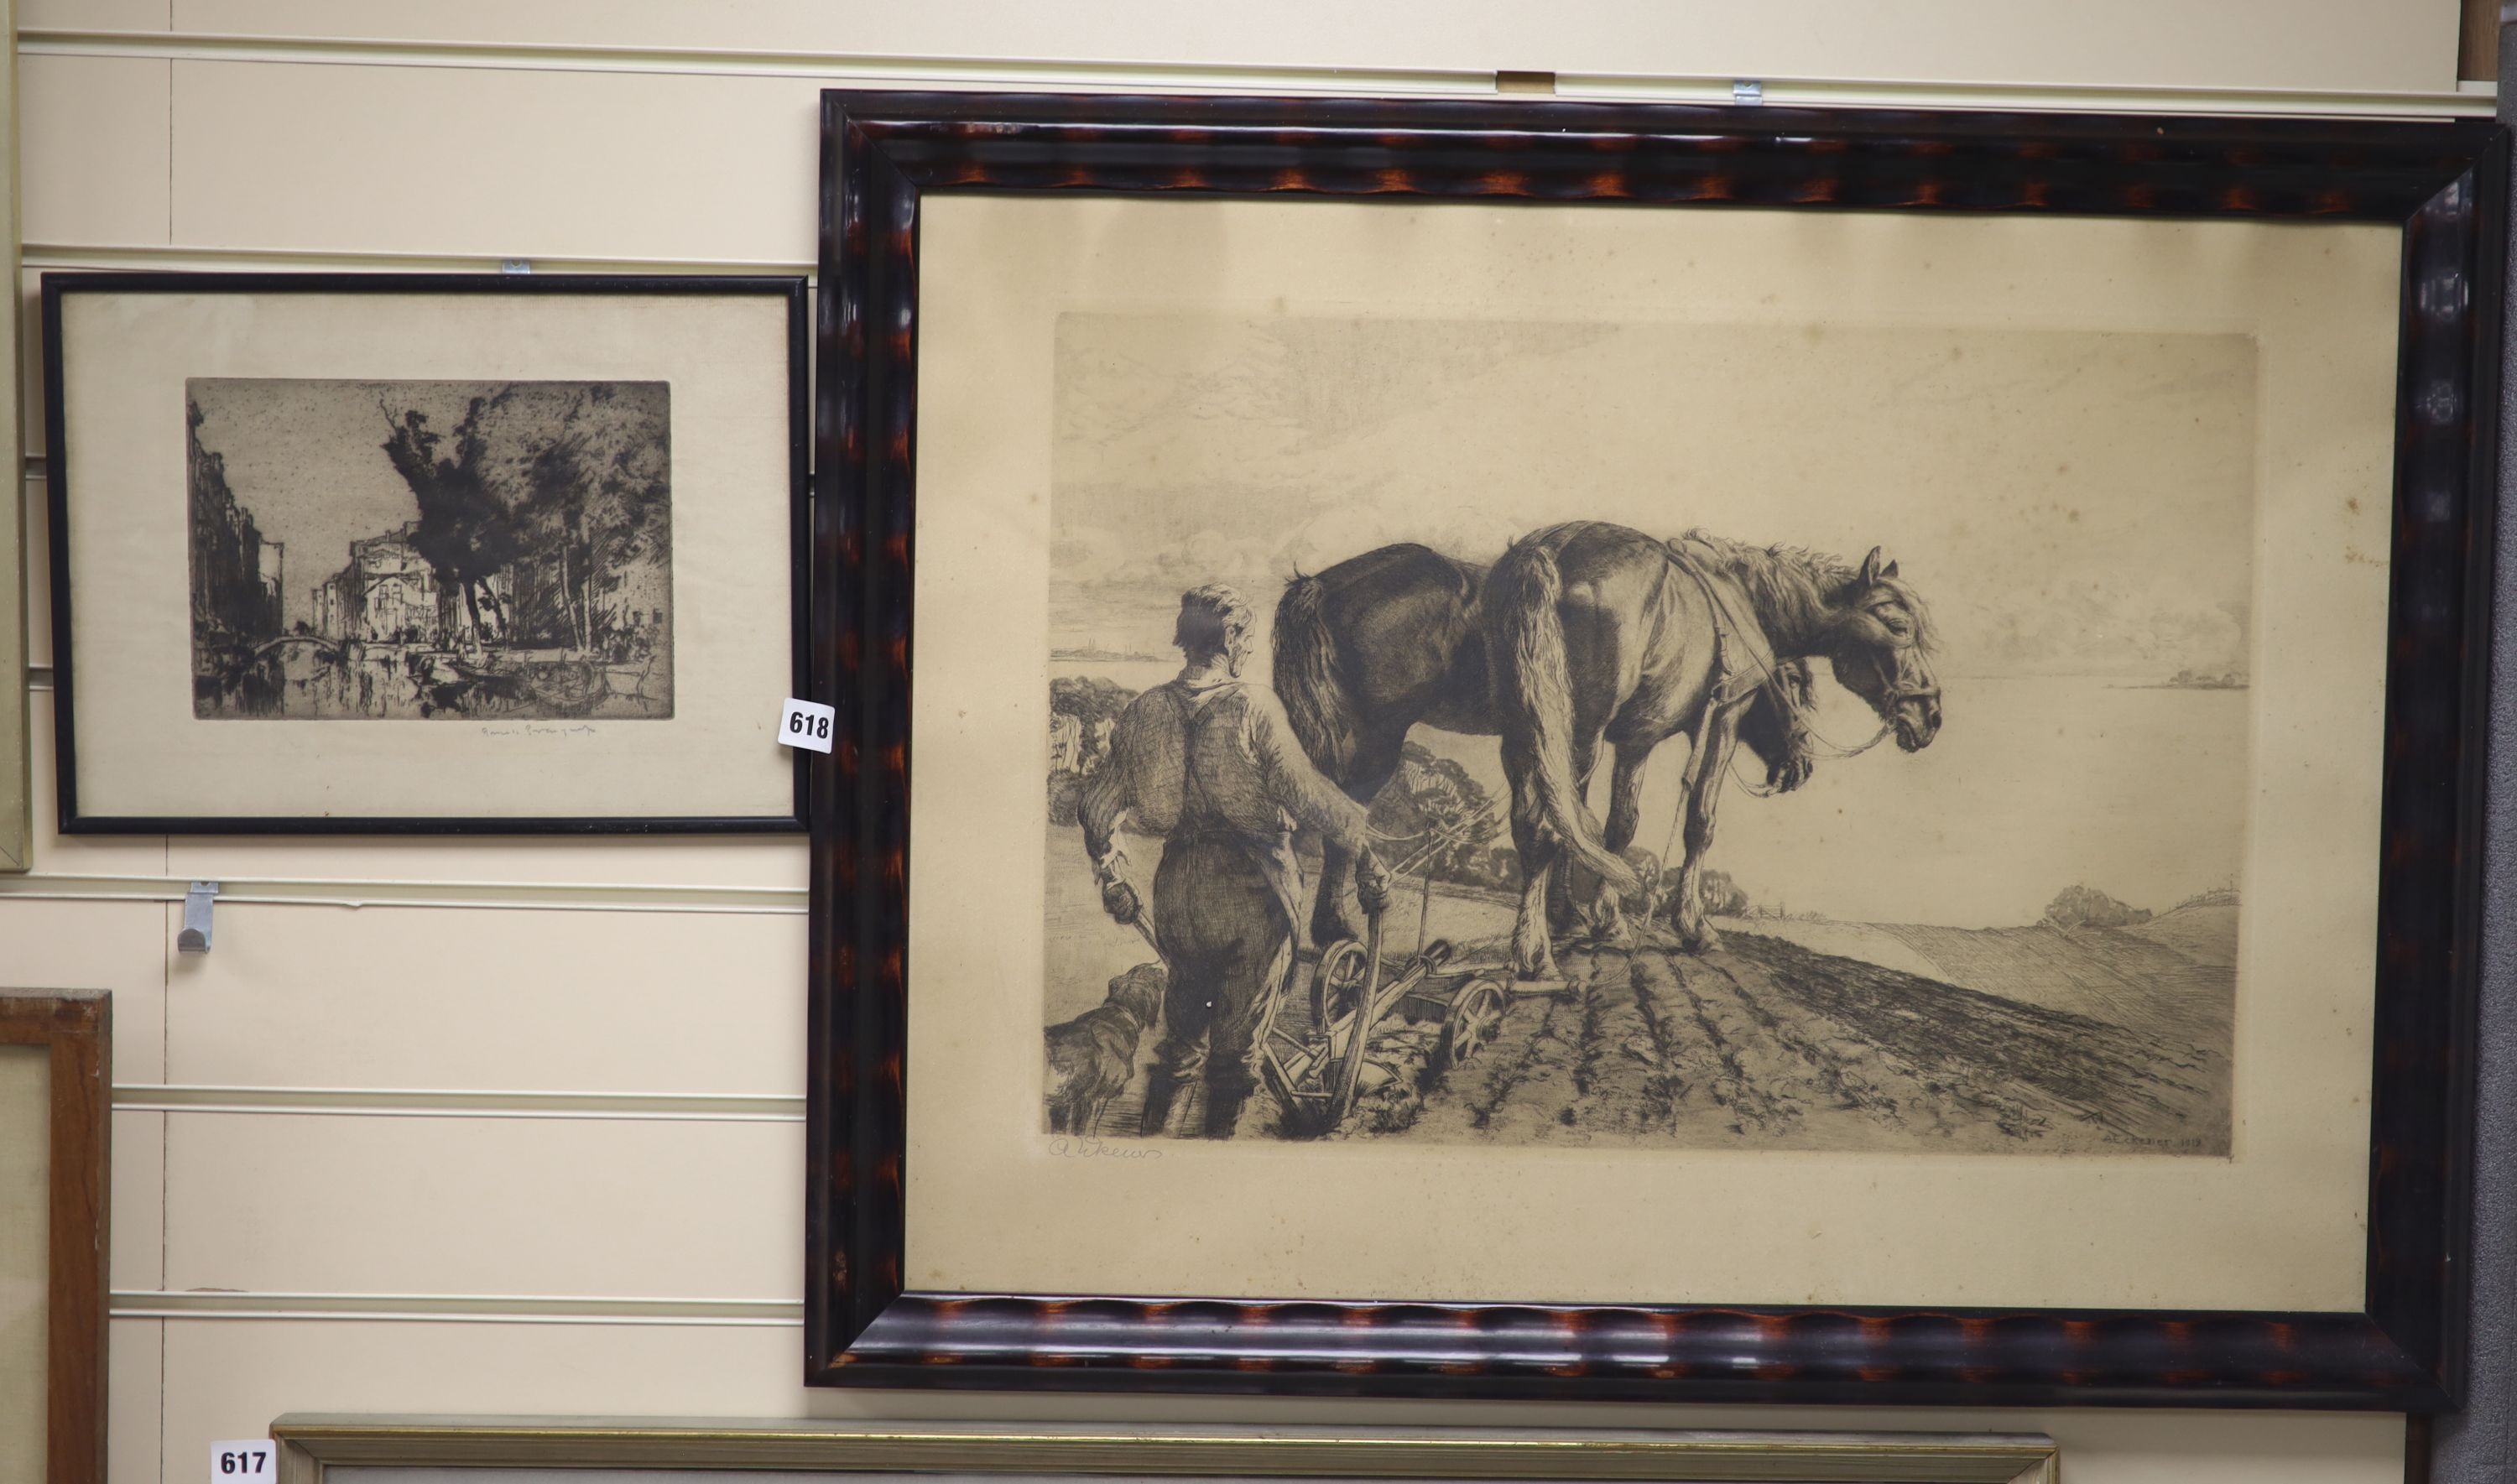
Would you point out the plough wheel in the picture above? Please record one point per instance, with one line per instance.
(1359, 1031)
(1476, 1014)
(1337, 984)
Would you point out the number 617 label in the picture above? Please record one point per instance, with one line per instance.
(248, 1461)
(806, 724)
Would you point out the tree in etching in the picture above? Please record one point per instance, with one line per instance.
(465, 530)
(600, 515)
(563, 490)
(1443, 814)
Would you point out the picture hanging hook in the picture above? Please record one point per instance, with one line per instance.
(196, 935)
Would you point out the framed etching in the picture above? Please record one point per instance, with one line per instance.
(1361, 549)
(386, 1450)
(56, 1079)
(425, 553)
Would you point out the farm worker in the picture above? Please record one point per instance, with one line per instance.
(1208, 761)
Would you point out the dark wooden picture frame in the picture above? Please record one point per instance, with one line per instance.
(78, 1031)
(2443, 183)
(77, 818)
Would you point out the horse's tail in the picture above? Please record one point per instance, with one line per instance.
(1307, 679)
(1534, 690)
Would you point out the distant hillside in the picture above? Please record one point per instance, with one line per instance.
(2207, 934)
(2173, 975)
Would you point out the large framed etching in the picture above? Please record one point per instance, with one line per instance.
(425, 553)
(1306, 580)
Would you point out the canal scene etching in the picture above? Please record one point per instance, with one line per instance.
(492, 551)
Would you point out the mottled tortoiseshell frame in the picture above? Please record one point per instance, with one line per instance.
(2443, 182)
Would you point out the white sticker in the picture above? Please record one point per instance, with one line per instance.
(253, 1460)
(806, 724)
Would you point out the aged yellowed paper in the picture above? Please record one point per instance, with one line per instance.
(2139, 470)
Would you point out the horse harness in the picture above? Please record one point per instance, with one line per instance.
(1731, 686)
(1735, 686)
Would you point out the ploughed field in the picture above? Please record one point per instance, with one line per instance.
(1797, 1033)
(2112, 1040)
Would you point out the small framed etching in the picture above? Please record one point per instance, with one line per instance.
(425, 553)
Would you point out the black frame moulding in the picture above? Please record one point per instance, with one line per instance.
(59, 474)
(2444, 184)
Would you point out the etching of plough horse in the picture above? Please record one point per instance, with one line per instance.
(1582, 633)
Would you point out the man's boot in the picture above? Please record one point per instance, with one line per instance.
(1223, 1109)
(1158, 1105)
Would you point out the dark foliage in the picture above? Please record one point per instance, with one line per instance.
(2088, 907)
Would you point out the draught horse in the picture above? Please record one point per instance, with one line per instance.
(1600, 633)
(1376, 644)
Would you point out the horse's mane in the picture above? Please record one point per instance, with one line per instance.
(1791, 587)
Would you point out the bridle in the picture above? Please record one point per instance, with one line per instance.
(1726, 625)
(1891, 694)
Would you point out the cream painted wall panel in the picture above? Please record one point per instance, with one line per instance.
(531, 1207)
(737, 861)
(352, 159)
(116, 946)
(96, 15)
(2406, 44)
(137, 1259)
(134, 1353)
(89, 855)
(229, 1378)
(92, 147)
(518, 1000)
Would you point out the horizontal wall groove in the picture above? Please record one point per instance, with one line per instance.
(710, 62)
(355, 895)
(173, 257)
(424, 1102)
(735, 1313)
(2471, 100)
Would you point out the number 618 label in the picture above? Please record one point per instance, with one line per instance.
(246, 1461)
(806, 724)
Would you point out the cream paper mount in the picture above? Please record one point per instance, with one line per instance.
(413, 553)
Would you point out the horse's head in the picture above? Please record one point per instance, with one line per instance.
(1776, 726)
(1880, 647)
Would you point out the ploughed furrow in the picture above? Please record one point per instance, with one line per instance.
(1529, 1050)
(2098, 1074)
(1679, 1065)
(1539, 1107)
(1852, 1072)
(1619, 1057)
(1762, 1087)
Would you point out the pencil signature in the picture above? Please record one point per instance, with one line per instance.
(1088, 1147)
